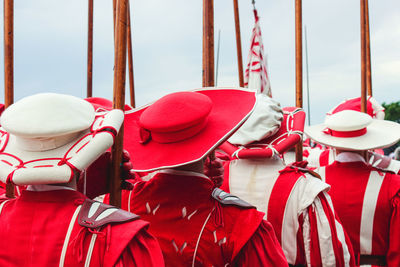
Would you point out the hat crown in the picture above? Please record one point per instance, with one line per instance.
(176, 111)
(348, 120)
(47, 115)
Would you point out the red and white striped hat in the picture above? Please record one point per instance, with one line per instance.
(49, 138)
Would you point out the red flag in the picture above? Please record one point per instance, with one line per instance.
(256, 76)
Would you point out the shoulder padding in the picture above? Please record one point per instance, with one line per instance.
(228, 199)
(94, 214)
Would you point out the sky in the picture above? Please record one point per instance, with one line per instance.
(50, 53)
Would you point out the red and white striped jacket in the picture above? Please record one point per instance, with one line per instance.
(367, 201)
(298, 207)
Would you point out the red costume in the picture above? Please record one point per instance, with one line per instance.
(298, 207)
(367, 201)
(44, 229)
(194, 228)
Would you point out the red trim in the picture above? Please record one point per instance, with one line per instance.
(345, 134)
(4, 144)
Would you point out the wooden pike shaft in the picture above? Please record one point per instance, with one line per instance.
(89, 86)
(368, 50)
(363, 58)
(130, 59)
(118, 97)
(299, 69)
(238, 43)
(208, 43)
(9, 65)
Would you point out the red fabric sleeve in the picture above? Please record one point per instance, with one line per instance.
(263, 249)
(142, 251)
(393, 255)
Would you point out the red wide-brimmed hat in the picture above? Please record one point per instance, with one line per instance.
(288, 135)
(184, 127)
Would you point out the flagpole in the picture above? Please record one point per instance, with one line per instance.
(118, 97)
(368, 50)
(208, 47)
(238, 42)
(363, 57)
(9, 66)
(299, 70)
(208, 43)
(89, 85)
(307, 77)
(130, 59)
(217, 63)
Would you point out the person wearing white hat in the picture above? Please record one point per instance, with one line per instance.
(196, 223)
(294, 201)
(47, 141)
(367, 199)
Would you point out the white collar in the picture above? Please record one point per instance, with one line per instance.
(349, 157)
(183, 173)
(47, 187)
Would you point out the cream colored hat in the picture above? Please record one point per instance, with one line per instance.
(49, 138)
(353, 130)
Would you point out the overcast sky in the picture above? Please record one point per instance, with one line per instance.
(50, 40)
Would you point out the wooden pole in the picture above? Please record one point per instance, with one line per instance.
(89, 86)
(238, 43)
(9, 66)
(114, 14)
(368, 50)
(118, 97)
(299, 70)
(130, 59)
(363, 58)
(208, 43)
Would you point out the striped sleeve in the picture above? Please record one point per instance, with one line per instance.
(325, 242)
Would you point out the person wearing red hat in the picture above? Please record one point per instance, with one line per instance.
(196, 223)
(367, 199)
(50, 140)
(294, 200)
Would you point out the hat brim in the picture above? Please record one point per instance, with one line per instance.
(231, 107)
(380, 134)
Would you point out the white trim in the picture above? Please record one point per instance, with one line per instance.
(129, 200)
(2, 205)
(368, 211)
(90, 250)
(68, 235)
(198, 239)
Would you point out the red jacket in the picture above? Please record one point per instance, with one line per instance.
(41, 229)
(192, 227)
(367, 201)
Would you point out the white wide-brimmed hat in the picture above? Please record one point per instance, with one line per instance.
(49, 138)
(353, 130)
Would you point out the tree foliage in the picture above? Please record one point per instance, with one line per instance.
(392, 111)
